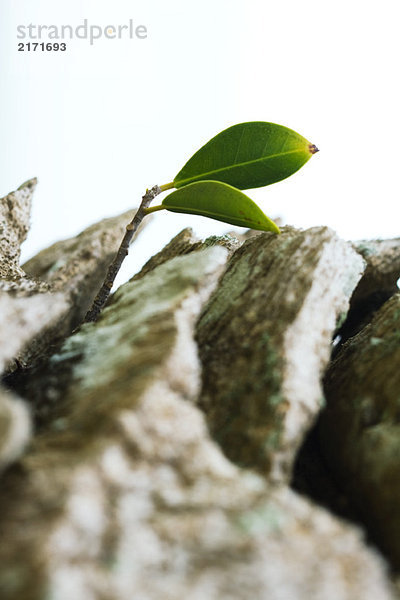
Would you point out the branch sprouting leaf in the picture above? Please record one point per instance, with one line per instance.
(244, 156)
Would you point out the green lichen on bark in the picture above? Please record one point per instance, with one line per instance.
(264, 336)
(360, 429)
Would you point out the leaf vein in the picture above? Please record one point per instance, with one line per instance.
(229, 167)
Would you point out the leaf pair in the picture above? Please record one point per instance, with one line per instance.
(247, 155)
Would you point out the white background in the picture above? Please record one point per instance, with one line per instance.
(98, 124)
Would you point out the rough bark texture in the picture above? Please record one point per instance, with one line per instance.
(383, 266)
(360, 428)
(25, 322)
(125, 495)
(265, 339)
(184, 243)
(15, 209)
(27, 306)
(377, 285)
(112, 486)
(27, 309)
(76, 267)
(71, 271)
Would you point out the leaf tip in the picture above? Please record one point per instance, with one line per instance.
(313, 148)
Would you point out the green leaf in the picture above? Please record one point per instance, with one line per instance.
(248, 155)
(218, 201)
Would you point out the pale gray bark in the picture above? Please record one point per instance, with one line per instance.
(378, 283)
(15, 211)
(122, 492)
(265, 340)
(125, 495)
(383, 266)
(77, 266)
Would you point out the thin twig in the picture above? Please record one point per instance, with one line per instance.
(115, 266)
